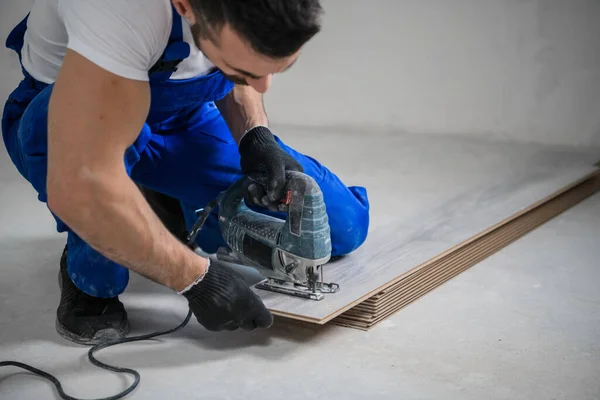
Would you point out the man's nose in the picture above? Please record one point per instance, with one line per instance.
(261, 85)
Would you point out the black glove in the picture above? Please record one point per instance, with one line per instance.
(222, 300)
(261, 155)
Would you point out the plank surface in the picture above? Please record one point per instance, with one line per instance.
(429, 227)
(482, 247)
(363, 316)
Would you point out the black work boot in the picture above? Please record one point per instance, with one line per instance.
(84, 319)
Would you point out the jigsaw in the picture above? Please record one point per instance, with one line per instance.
(289, 252)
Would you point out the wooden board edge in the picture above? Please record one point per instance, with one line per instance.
(564, 189)
(523, 224)
(469, 258)
(351, 321)
(535, 205)
(445, 271)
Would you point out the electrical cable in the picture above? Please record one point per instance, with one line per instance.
(202, 216)
(100, 364)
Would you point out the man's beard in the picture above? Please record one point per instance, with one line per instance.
(197, 33)
(235, 79)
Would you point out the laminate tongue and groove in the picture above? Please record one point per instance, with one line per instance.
(412, 254)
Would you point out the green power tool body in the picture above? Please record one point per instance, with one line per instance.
(290, 253)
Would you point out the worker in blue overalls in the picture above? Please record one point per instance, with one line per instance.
(131, 106)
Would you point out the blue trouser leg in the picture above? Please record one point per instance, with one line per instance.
(202, 160)
(190, 157)
(347, 207)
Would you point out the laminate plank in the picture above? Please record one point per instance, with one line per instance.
(589, 186)
(394, 249)
(415, 291)
(477, 253)
(481, 246)
(432, 279)
(469, 255)
(494, 240)
(361, 318)
(473, 251)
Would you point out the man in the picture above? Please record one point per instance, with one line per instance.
(163, 95)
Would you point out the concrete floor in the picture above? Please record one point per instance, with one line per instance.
(523, 324)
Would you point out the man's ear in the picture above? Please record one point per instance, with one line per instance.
(184, 8)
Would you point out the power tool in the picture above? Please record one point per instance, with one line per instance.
(289, 252)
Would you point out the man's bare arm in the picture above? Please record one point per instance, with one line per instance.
(93, 117)
(242, 109)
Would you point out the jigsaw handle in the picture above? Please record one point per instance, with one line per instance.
(306, 229)
(297, 186)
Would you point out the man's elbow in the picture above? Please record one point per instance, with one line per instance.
(66, 199)
(59, 203)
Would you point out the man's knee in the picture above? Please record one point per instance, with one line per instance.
(29, 140)
(24, 122)
(349, 222)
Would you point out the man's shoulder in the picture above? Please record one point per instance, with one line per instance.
(124, 36)
(133, 15)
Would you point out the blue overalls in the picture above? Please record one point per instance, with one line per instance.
(185, 150)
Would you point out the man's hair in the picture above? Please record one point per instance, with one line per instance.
(274, 28)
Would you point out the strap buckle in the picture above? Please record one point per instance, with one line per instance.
(165, 66)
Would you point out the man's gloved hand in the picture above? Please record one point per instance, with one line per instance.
(222, 300)
(262, 155)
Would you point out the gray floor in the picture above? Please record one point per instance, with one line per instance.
(523, 324)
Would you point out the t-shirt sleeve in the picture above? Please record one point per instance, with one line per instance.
(125, 37)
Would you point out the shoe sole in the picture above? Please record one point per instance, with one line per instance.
(102, 336)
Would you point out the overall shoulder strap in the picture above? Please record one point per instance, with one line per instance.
(175, 52)
(16, 39)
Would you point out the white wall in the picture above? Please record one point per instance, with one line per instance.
(518, 69)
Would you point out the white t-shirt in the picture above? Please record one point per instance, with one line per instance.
(125, 37)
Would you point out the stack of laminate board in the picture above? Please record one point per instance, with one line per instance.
(426, 277)
(449, 205)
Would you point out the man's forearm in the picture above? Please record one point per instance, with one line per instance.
(242, 109)
(113, 217)
(93, 117)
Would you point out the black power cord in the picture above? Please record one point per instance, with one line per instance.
(202, 216)
(100, 364)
